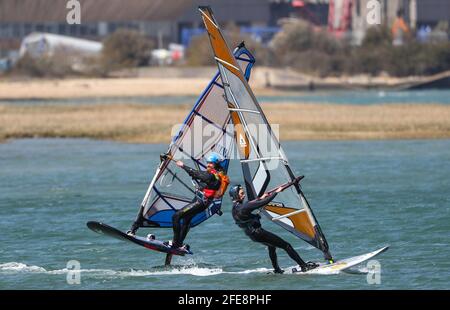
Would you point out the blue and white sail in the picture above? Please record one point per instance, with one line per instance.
(171, 187)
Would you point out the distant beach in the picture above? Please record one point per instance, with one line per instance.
(170, 85)
(180, 81)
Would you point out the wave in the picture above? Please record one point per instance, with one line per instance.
(192, 269)
(257, 270)
(16, 267)
(356, 270)
(19, 267)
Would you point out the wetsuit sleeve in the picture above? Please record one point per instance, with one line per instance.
(257, 203)
(202, 176)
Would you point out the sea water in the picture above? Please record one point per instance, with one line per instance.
(365, 194)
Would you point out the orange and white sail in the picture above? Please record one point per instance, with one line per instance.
(264, 164)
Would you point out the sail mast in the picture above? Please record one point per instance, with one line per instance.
(171, 189)
(261, 167)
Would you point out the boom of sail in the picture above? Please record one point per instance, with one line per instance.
(171, 188)
(264, 164)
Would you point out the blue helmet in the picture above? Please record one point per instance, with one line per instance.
(234, 192)
(214, 158)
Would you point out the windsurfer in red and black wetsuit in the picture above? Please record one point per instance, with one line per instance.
(212, 184)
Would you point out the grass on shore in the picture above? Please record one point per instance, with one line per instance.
(153, 124)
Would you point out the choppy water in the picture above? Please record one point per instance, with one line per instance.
(330, 97)
(365, 195)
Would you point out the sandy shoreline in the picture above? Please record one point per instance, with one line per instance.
(79, 88)
(153, 124)
(113, 87)
(186, 81)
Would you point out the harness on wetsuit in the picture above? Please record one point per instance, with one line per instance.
(253, 220)
(242, 213)
(250, 223)
(208, 183)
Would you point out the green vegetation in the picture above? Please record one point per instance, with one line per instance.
(298, 45)
(126, 49)
(56, 65)
(122, 49)
(199, 52)
(309, 50)
(312, 50)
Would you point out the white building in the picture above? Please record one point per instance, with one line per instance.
(39, 44)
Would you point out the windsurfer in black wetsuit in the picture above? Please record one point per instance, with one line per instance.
(212, 184)
(250, 223)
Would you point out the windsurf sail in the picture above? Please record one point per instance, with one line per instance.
(264, 163)
(206, 129)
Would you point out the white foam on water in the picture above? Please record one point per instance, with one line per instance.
(356, 270)
(194, 270)
(286, 271)
(257, 270)
(15, 267)
(188, 270)
(19, 267)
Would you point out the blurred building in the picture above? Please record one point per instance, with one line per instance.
(431, 12)
(259, 18)
(39, 44)
(349, 17)
(177, 21)
(155, 18)
(254, 14)
(165, 21)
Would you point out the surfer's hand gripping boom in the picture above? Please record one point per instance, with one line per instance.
(284, 186)
(167, 156)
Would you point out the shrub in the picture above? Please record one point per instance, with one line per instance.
(307, 49)
(57, 65)
(126, 49)
(302, 47)
(376, 37)
(199, 52)
(418, 59)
